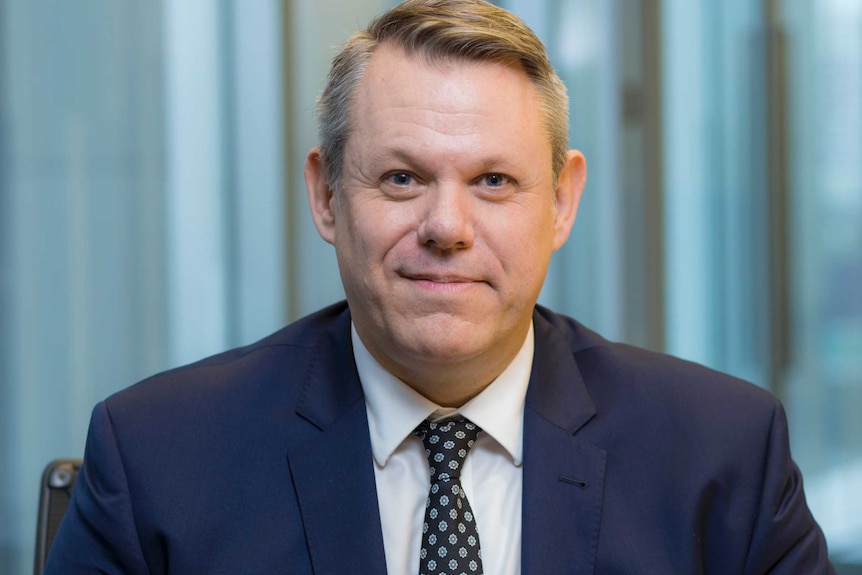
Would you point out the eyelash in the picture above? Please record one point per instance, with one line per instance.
(503, 179)
(392, 176)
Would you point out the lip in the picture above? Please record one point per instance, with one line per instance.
(442, 283)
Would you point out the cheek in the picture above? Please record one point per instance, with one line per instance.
(523, 251)
(520, 235)
(365, 237)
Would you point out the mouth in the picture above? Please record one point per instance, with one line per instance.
(442, 283)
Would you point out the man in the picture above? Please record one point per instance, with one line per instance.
(444, 183)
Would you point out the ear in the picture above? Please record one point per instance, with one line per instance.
(320, 198)
(571, 183)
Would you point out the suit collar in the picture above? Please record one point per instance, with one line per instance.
(563, 474)
(333, 471)
(334, 477)
(557, 391)
(331, 382)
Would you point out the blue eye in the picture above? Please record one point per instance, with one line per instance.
(400, 178)
(495, 180)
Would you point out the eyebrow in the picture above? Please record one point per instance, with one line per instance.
(396, 154)
(489, 164)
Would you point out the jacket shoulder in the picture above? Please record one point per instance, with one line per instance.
(276, 362)
(618, 374)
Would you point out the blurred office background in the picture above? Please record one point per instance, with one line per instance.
(152, 208)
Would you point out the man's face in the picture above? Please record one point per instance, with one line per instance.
(446, 216)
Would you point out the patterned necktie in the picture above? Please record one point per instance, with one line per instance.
(450, 541)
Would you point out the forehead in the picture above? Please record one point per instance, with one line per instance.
(454, 97)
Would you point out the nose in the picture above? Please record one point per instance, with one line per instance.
(447, 221)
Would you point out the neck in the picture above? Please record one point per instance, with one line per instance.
(453, 389)
(450, 383)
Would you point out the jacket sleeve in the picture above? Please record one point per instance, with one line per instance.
(98, 533)
(786, 538)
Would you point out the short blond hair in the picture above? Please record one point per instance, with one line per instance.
(440, 30)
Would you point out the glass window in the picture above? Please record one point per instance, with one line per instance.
(82, 180)
(141, 211)
(763, 124)
(823, 374)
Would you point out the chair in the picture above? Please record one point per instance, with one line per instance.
(58, 479)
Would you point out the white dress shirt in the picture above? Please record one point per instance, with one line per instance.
(492, 474)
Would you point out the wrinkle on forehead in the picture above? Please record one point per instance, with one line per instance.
(445, 95)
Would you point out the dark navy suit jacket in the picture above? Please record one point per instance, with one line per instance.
(259, 461)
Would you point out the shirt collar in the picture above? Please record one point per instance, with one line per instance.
(395, 409)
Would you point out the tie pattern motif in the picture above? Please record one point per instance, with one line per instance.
(450, 541)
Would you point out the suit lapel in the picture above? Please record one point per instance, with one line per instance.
(563, 474)
(333, 470)
(332, 467)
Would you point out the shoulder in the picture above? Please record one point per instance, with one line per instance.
(705, 451)
(660, 417)
(644, 384)
(268, 369)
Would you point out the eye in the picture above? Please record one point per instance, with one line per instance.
(401, 185)
(495, 180)
(400, 178)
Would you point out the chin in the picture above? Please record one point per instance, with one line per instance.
(451, 347)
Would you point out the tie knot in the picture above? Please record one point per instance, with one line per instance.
(447, 444)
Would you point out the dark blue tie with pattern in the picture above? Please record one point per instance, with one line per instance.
(450, 541)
